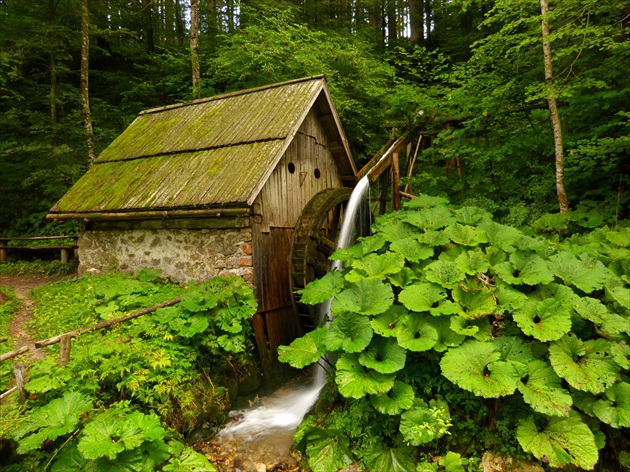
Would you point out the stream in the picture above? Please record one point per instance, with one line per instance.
(259, 438)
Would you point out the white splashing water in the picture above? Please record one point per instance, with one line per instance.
(281, 412)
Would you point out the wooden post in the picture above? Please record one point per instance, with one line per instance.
(18, 369)
(383, 197)
(395, 182)
(65, 255)
(65, 346)
(3, 255)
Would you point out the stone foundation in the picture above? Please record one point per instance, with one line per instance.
(184, 255)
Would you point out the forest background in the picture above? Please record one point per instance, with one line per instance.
(469, 74)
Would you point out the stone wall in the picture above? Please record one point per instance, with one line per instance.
(182, 254)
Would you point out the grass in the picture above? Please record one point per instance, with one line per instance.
(37, 267)
(8, 310)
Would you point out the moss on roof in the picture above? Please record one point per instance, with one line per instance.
(213, 151)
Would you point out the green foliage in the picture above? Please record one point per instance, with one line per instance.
(126, 388)
(37, 267)
(536, 324)
(9, 306)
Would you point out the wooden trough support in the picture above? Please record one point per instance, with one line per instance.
(385, 167)
(67, 250)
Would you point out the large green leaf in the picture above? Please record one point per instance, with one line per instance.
(586, 365)
(444, 273)
(422, 296)
(412, 249)
(384, 355)
(543, 391)
(524, 269)
(48, 422)
(562, 441)
(446, 336)
(328, 451)
(349, 332)
(386, 323)
(509, 298)
(472, 262)
(587, 277)
(366, 297)
(114, 431)
(500, 235)
(395, 231)
(385, 459)
(305, 350)
(475, 303)
(478, 328)
(615, 408)
(378, 265)
(476, 366)
(320, 290)
(430, 219)
(469, 215)
(394, 402)
(466, 235)
(356, 381)
(546, 320)
(434, 238)
(424, 201)
(416, 332)
(423, 423)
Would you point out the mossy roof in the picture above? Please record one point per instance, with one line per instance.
(212, 152)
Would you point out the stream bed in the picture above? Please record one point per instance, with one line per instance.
(259, 438)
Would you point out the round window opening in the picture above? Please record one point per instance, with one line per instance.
(291, 167)
(317, 173)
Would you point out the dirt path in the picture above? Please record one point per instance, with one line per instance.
(23, 284)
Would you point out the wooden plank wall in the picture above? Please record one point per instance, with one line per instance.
(279, 205)
(286, 193)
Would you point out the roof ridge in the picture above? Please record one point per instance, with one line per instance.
(233, 94)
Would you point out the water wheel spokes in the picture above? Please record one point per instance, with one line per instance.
(314, 240)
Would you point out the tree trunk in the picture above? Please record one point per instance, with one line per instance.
(194, 48)
(553, 110)
(85, 95)
(416, 21)
(53, 73)
(392, 23)
(179, 25)
(148, 25)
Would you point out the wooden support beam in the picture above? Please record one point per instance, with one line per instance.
(153, 214)
(7, 393)
(12, 354)
(65, 346)
(395, 182)
(20, 373)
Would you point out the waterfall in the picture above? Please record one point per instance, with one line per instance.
(284, 411)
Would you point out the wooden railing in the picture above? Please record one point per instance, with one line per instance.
(67, 250)
(65, 339)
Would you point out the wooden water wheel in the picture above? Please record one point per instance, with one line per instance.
(314, 240)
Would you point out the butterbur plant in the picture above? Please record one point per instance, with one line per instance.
(535, 324)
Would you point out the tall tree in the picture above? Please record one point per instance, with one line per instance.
(85, 88)
(194, 48)
(148, 24)
(416, 21)
(553, 109)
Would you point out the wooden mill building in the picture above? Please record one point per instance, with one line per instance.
(217, 186)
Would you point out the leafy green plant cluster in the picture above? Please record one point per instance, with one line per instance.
(444, 318)
(9, 305)
(37, 267)
(139, 386)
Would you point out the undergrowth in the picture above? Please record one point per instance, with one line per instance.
(131, 394)
(9, 306)
(454, 335)
(37, 267)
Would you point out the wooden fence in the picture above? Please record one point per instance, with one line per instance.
(65, 339)
(67, 250)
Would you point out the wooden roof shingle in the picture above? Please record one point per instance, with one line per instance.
(217, 151)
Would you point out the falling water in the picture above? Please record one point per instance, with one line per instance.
(271, 425)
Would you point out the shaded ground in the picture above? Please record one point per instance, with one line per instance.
(23, 284)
